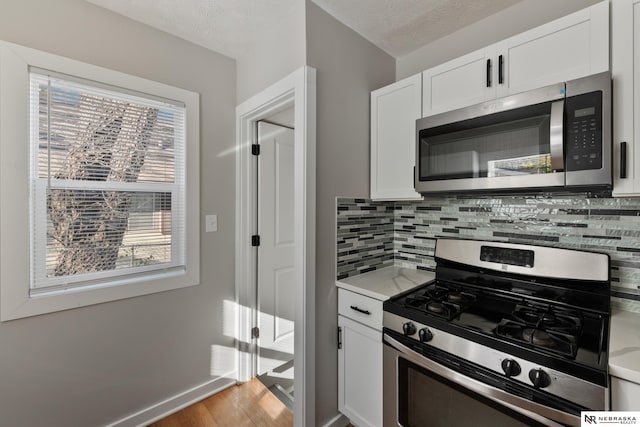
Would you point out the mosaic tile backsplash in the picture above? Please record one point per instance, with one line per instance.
(372, 235)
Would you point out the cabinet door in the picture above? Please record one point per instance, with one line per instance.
(461, 82)
(625, 395)
(394, 110)
(625, 70)
(570, 47)
(360, 373)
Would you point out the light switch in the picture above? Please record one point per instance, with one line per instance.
(211, 223)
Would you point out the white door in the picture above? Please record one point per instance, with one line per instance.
(276, 287)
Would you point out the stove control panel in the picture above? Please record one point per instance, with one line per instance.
(519, 257)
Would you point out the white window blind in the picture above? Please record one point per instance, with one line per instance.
(107, 183)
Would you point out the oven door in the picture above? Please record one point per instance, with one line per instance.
(420, 392)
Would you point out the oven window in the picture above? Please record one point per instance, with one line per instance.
(426, 399)
(512, 143)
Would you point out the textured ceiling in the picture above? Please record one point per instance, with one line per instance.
(229, 26)
(224, 26)
(401, 26)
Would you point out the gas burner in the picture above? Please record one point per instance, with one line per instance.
(538, 337)
(548, 318)
(441, 300)
(436, 307)
(548, 340)
(455, 297)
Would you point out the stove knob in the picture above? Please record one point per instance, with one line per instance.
(539, 378)
(409, 328)
(511, 368)
(425, 335)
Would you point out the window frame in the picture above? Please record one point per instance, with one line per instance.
(16, 297)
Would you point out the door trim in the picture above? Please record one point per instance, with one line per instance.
(298, 90)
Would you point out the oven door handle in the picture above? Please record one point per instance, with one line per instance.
(541, 413)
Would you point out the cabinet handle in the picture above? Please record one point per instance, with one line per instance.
(359, 310)
(500, 69)
(623, 159)
(488, 72)
(339, 337)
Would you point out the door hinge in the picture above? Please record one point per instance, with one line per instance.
(255, 332)
(255, 149)
(255, 240)
(339, 337)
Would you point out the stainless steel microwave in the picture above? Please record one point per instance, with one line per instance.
(552, 138)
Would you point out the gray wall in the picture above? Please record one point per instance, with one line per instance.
(277, 49)
(348, 68)
(520, 17)
(94, 365)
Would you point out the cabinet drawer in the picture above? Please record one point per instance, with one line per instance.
(358, 307)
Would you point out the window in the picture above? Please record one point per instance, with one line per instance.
(111, 191)
(107, 183)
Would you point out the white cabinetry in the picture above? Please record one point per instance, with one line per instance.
(570, 47)
(394, 110)
(625, 69)
(360, 358)
(625, 395)
(460, 82)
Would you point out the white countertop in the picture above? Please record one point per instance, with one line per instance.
(624, 346)
(384, 283)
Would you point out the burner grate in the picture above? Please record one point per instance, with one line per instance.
(440, 300)
(544, 327)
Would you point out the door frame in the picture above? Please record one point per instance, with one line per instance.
(297, 90)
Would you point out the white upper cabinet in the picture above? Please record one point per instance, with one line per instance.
(463, 81)
(394, 111)
(570, 47)
(625, 70)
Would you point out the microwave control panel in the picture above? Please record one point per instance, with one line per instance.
(583, 128)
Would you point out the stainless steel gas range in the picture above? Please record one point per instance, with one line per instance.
(506, 335)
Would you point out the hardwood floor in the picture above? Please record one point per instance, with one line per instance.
(249, 404)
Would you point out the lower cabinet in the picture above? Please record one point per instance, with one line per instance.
(360, 373)
(625, 395)
(360, 358)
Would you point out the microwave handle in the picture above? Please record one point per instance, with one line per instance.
(556, 132)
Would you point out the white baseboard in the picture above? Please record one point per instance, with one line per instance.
(173, 404)
(338, 421)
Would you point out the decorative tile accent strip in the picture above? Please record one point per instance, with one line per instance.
(609, 225)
